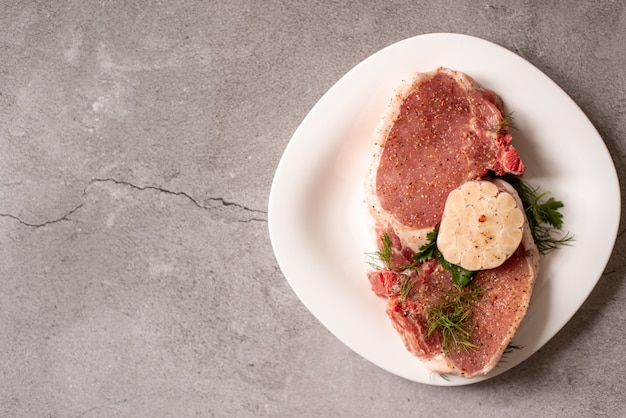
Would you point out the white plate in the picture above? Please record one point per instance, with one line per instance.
(317, 219)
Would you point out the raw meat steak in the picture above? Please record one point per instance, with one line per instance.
(440, 130)
(494, 314)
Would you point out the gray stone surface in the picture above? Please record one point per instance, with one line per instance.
(138, 141)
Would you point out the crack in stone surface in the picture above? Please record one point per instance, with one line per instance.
(222, 203)
(255, 214)
(42, 224)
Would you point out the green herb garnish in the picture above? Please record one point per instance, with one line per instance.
(512, 347)
(506, 124)
(460, 276)
(381, 259)
(406, 285)
(428, 250)
(544, 218)
(452, 317)
(508, 350)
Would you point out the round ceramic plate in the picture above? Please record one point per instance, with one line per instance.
(317, 219)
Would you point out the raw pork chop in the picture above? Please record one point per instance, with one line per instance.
(503, 295)
(440, 130)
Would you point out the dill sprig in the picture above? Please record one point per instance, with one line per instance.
(406, 285)
(512, 347)
(508, 350)
(452, 317)
(544, 217)
(381, 259)
(507, 123)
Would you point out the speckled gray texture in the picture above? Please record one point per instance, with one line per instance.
(138, 141)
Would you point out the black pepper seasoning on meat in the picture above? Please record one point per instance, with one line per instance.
(432, 148)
